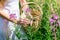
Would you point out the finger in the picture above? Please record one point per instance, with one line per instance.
(26, 22)
(21, 20)
(25, 19)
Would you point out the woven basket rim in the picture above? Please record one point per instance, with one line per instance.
(34, 4)
(40, 9)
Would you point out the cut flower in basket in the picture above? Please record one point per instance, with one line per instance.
(26, 15)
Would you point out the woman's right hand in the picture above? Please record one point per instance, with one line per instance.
(24, 21)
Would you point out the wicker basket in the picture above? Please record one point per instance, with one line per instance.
(36, 16)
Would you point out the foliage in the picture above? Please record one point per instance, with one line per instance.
(44, 31)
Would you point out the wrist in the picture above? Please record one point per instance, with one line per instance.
(13, 20)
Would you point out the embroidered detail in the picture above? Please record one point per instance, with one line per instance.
(7, 10)
(13, 16)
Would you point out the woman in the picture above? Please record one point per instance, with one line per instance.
(10, 12)
(2, 26)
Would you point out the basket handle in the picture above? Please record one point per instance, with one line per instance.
(31, 3)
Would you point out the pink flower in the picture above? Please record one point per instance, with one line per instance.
(55, 20)
(51, 20)
(55, 16)
(28, 10)
(13, 16)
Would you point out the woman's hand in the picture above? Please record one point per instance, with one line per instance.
(23, 21)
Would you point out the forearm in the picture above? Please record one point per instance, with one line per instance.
(6, 16)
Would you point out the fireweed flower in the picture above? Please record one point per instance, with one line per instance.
(51, 21)
(28, 10)
(13, 16)
(55, 16)
(54, 20)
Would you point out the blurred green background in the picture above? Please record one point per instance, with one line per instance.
(44, 32)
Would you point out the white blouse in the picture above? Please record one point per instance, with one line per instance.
(12, 8)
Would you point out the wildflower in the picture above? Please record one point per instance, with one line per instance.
(55, 16)
(52, 21)
(13, 16)
(28, 10)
